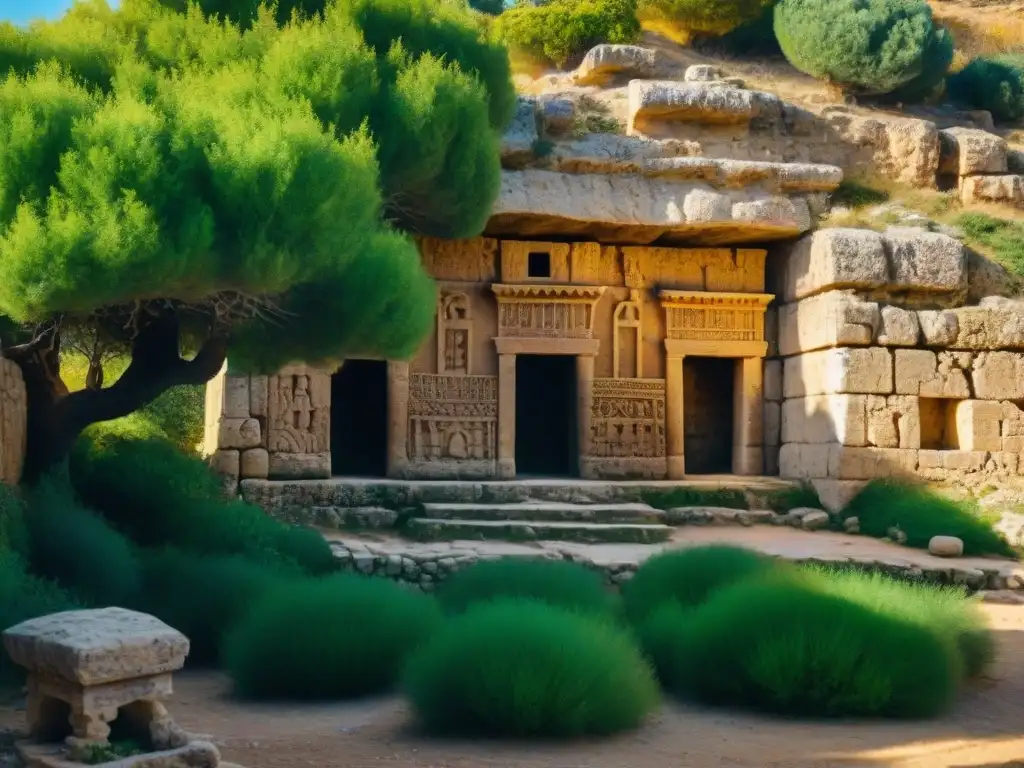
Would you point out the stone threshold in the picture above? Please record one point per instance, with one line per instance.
(427, 563)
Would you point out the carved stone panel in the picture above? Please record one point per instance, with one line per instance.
(627, 328)
(452, 418)
(13, 403)
(454, 334)
(546, 311)
(628, 418)
(299, 411)
(717, 324)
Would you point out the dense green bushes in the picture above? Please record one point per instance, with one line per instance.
(714, 17)
(561, 31)
(159, 496)
(328, 638)
(555, 582)
(688, 577)
(864, 46)
(920, 513)
(77, 548)
(519, 668)
(784, 645)
(995, 84)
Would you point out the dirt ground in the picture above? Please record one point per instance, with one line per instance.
(986, 730)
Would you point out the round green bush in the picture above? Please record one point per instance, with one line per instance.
(688, 577)
(755, 38)
(528, 669)
(714, 17)
(202, 597)
(928, 85)
(864, 46)
(995, 84)
(781, 645)
(562, 31)
(555, 582)
(331, 638)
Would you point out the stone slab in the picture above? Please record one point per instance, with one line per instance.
(97, 646)
(831, 319)
(433, 529)
(969, 151)
(998, 375)
(1007, 189)
(705, 103)
(551, 511)
(929, 374)
(606, 61)
(843, 370)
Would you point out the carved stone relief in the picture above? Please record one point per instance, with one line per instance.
(13, 404)
(628, 323)
(452, 417)
(299, 405)
(700, 316)
(454, 334)
(628, 418)
(546, 311)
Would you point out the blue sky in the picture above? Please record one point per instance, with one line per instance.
(21, 11)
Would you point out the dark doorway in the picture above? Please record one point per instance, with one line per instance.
(707, 414)
(546, 439)
(359, 419)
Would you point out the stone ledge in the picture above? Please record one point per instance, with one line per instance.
(709, 103)
(1007, 189)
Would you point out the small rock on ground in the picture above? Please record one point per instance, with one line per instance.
(946, 546)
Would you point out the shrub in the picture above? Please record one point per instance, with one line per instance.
(116, 469)
(715, 17)
(328, 638)
(802, 495)
(688, 577)
(555, 582)
(940, 609)
(992, 83)
(938, 57)
(696, 497)
(202, 597)
(562, 31)
(24, 597)
(13, 533)
(920, 513)
(865, 46)
(1003, 238)
(77, 548)
(781, 645)
(521, 668)
(753, 38)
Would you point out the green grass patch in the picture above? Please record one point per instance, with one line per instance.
(332, 638)
(95, 754)
(853, 194)
(921, 513)
(695, 497)
(556, 582)
(528, 669)
(1003, 239)
(802, 495)
(688, 577)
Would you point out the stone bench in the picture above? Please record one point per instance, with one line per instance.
(89, 668)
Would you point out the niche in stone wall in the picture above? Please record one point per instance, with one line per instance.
(627, 353)
(938, 424)
(454, 334)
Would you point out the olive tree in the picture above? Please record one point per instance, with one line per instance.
(183, 186)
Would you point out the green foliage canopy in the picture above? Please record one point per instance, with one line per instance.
(995, 84)
(168, 178)
(864, 46)
(714, 17)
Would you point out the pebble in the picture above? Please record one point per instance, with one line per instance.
(946, 546)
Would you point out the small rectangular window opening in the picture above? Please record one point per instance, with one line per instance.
(538, 264)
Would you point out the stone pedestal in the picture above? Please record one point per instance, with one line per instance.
(86, 668)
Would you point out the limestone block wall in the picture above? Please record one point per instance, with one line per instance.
(880, 371)
(269, 426)
(978, 164)
(13, 434)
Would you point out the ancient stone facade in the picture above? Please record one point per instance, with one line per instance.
(622, 319)
(12, 422)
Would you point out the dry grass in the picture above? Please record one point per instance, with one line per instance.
(982, 30)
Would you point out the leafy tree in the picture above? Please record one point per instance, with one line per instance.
(864, 46)
(995, 84)
(182, 186)
(710, 17)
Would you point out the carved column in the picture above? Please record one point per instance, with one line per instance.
(398, 417)
(748, 418)
(506, 416)
(674, 434)
(584, 406)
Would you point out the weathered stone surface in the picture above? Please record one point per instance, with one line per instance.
(96, 646)
(899, 327)
(535, 203)
(846, 463)
(968, 151)
(773, 380)
(925, 261)
(828, 259)
(937, 464)
(517, 145)
(226, 463)
(254, 462)
(236, 397)
(998, 376)
(987, 278)
(1007, 189)
(778, 177)
(978, 425)
(835, 495)
(706, 103)
(905, 150)
(197, 754)
(831, 319)
(702, 73)
(801, 461)
(939, 328)
(893, 421)
(815, 520)
(240, 433)
(925, 373)
(854, 370)
(996, 323)
(615, 153)
(557, 114)
(258, 395)
(13, 434)
(299, 466)
(772, 424)
(603, 62)
(825, 419)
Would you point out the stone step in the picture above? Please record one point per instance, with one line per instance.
(434, 529)
(708, 103)
(552, 511)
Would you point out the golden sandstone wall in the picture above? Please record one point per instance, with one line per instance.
(12, 422)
